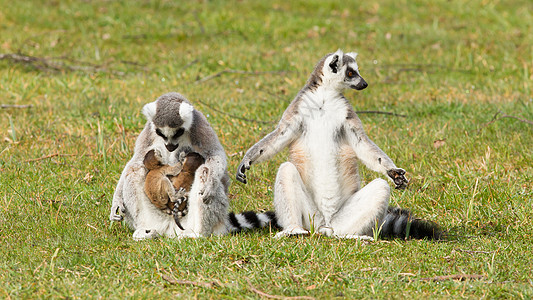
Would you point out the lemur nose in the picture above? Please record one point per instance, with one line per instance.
(361, 85)
(171, 147)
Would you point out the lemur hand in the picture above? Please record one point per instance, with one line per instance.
(117, 212)
(181, 156)
(398, 177)
(184, 152)
(180, 195)
(245, 165)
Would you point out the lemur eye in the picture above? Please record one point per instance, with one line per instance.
(178, 133)
(159, 133)
(350, 73)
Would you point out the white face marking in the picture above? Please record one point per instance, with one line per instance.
(353, 66)
(167, 131)
(172, 137)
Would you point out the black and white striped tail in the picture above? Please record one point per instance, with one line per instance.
(251, 220)
(399, 223)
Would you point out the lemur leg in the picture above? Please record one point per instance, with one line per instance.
(140, 214)
(208, 204)
(294, 208)
(118, 209)
(363, 211)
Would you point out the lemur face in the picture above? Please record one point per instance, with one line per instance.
(171, 119)
(170, 136)
(353, 79)
(343, 70)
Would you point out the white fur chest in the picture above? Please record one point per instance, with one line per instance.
(167, 157)
(323, 115)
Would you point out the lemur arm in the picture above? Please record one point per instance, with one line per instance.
(172, 170)
(371, 155)
(117, 206)
(287, 130)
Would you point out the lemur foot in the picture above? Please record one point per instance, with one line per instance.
(143, 234)
(297, 231)
(327, 231)
(191, 235)
(355, 237)
(204, 177)
(204, 174)
(398, 176)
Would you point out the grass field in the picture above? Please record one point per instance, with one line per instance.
(74, 76)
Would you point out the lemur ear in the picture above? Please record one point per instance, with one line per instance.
(149, 110)
(352, 55)
(186, 114)
(336, 61)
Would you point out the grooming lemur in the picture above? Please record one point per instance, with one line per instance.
(173, 125)
(167, 186)
(320, 184)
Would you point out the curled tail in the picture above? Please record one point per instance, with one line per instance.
(399, 223)
(251, 220)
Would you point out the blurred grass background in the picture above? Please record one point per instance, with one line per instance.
(86, 68)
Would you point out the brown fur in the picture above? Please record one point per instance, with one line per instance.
(185, 178)
(162, 181)
(299, 158)
(157, 185)
(348, 167)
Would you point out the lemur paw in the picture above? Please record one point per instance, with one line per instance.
(180, 193)
(327, 231)
(291, 232)
(177, 196)
(204, 177)
(157, 154)
(182, 155)
(204, 174)
(356, 237)
(117, 212)
(190, 234)
(398, 176)
(143, 234)
(245, 165)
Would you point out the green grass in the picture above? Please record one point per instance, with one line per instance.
(449, 66)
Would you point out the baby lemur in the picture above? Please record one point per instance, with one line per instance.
(168, 186)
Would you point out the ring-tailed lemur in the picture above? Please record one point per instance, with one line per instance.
(320, 184)
(172, 125)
